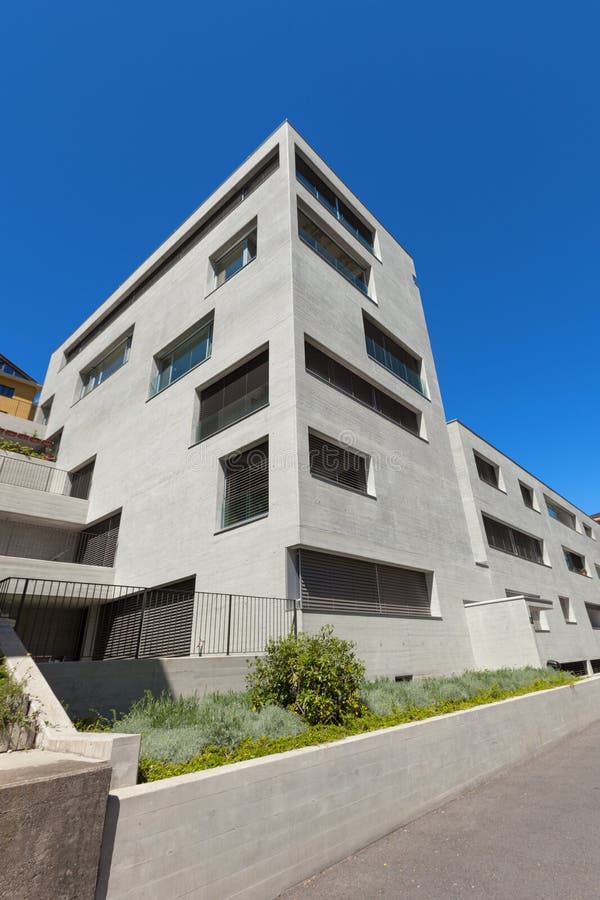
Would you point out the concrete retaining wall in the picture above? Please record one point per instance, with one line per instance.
(252, 829)
(104, 685)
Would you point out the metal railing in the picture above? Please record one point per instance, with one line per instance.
(66, 620)
(37, 476)
(318, 247)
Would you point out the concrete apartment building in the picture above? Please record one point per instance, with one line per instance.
(255, 412)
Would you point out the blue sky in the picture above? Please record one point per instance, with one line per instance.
(471, 129)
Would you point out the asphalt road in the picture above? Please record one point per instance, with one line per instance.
(532, 833)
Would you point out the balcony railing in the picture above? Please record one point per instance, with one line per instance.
(36, 476)
(93, 546)
(71, 620)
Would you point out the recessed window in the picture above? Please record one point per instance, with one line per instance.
(587, 530)
(593, 612)
(538, 618)
(6, 391)
(575, 562)
(81, 481)
(338, 376)
(527, 495)
(332, 253)
(107, 366)
(45, 410)
(246, 494)
(235, 259)
(235, 396)
(186, 355)
(560, 514)
(339, 584)
(567, 610)
(392, 356)
(330, 200)
(510, 540)
(337, 464)
(487, 471)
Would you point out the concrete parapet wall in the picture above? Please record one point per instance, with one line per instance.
(104, 685)
(252, 829)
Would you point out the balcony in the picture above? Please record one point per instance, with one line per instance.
(94, 545)
(37, 489)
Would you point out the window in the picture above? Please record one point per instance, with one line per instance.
(392, 356)
(593, 612)
(81, 481)
(235, 396)
(338, 376)
(216, 215)
(317, 187)
(538, 618)
(9, 370)
(332, 253)
(235, 259)
(561, 515)
(185, 356)
(575, 562)
(487, 471)
(6, 391)
(46, 409)
(567, 610)
(509, 540)
(97, 545)
(246, 494)
(338, 584)
(336, 464)
(587, 530)
(527, 495)
(107, 366)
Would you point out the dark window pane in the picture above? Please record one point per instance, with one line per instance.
(234, 396)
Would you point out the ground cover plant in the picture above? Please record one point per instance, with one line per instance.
(304, 691)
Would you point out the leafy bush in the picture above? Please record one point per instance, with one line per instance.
(316, 676)
(16, 447)
(175, 729)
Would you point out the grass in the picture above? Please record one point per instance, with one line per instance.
(189, 734)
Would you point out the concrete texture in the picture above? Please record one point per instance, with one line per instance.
(105, 685)
(53, 808)
(55, 730)
(253, 829)
(529, 834)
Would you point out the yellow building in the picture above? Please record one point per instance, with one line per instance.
(17, 390)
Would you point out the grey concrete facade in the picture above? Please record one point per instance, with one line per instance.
(561, 602)
(421, 512)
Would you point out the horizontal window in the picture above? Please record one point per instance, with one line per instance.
(337, 464)
(235, 259)
(509, 540)
(332, 253)
(487, 471)
(6, 391)
(392, 356)
(107, 366)
(235, 396)
(217, 214)
(337, 375)
(575, 562)
(561, 515)
(183, 357)
(324, 194)
(246, 494)
(338, 584)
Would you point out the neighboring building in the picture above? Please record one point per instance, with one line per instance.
(256, 412)
(17, 394)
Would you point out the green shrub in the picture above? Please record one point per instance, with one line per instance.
(175, 729)
(316, 676)
(14, 705)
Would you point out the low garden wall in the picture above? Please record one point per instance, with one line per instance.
(255, 828)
